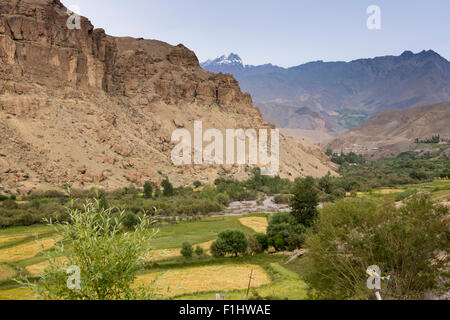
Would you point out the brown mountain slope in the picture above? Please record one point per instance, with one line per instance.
(394, 131)
(81, 107)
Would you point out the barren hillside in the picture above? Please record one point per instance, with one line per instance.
(395, 131)
(85, 108)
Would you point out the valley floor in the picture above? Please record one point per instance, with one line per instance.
(202, 277)
(198, 278)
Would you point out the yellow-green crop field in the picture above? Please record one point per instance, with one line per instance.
(21, 254)
(439, 190)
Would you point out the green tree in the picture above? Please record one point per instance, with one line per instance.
(199, 251)
(277, 242)
(148, 190)
(258, 243)
(410, 244)
(130, 220)
(231, 242)
(285, 232)
(305, 201)
(107, 257)
(262, 240)
(325, 184)
(168, 188)
(218, 248)
(186, 250)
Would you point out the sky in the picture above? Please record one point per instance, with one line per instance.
(283, 32)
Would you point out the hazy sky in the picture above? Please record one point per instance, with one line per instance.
(282, 32)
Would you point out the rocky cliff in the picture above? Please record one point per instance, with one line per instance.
(78, 106)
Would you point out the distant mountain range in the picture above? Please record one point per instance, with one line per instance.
(395, 131)
(320, 100)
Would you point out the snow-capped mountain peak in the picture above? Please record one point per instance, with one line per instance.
(231, 60)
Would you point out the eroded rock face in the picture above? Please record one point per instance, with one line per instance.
(72, 99)
(36, 43)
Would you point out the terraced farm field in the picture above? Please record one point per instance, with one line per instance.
(258, 224)
(439, 190)
(204, 276)
(21, 254)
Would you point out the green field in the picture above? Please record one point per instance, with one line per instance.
(439, 190)
(21, 255)
(274, 279)
(173, 236)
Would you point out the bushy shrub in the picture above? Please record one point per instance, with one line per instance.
(277, 242)
(254, 247)
(108, 258)
(418, 175)
(223, 199)
(130, 220)
(199, 251)
(284, 232)
(218, 248)
(283, 198)
(238, 192)
(445, 174)
(186, 250)
(339, 192)
(411, 244)
(231, 242)
(7, 212)
(26, 219)
(5, 222)
(197, 184)
(262, 240)
(258, 243)
(10, 204)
